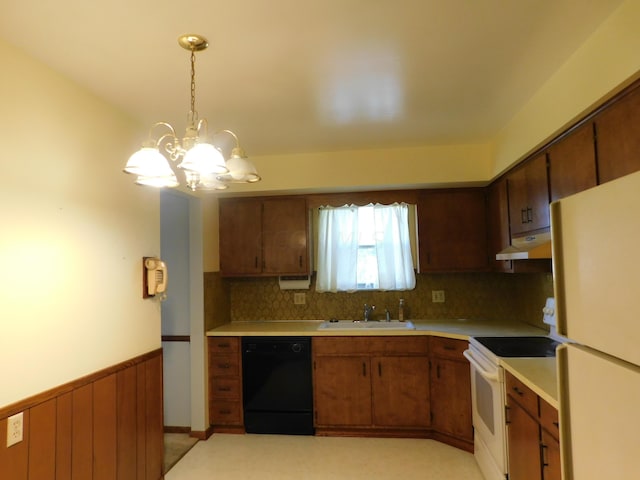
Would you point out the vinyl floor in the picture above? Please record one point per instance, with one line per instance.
(284, 457)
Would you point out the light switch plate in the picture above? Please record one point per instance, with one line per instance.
(14, 428)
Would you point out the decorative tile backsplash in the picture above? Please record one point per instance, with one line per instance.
(487, 296)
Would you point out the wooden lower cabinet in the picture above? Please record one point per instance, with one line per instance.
(451, 409)
(365, 384)
(524, 444)
(391, 386)
(342, 391)
(225, 384)
(400, 391)
(532, 434)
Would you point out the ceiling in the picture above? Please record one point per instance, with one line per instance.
(306, 76)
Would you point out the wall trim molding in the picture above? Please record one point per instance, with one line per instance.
(42, 397)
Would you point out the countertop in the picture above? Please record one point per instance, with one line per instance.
(539, 374)
(457, 328)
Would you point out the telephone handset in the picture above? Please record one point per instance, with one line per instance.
(155, 277)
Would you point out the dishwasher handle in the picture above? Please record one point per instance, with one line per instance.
(491, 376)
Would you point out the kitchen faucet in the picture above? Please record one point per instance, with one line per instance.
(368, 310)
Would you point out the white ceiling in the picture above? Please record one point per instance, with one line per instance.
(305, 76)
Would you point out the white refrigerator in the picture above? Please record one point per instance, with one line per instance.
(596, 266)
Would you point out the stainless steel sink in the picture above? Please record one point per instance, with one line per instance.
(370, 325)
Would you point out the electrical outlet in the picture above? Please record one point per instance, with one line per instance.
(437, 296)
(299, 298)
(14, 429)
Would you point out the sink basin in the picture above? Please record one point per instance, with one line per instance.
(371, 325)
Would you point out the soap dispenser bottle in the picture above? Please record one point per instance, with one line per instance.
(401, 310)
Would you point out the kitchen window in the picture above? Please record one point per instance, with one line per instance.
(364, 248)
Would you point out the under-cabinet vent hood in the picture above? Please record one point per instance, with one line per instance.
(529, 247)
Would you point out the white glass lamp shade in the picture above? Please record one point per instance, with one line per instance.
(159, 182)
(210, 182)
(241, 170)
(204, 159)
(148, 162)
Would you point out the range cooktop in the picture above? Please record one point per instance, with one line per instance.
(520, 346)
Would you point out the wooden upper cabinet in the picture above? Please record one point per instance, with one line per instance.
(572, 163)
(618, 138)
(241, 236)
(498, 224)
(529, 196)
(284, 236)
(452, 230)
(264, 236)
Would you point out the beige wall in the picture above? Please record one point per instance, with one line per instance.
(74, 230)
(602, 66)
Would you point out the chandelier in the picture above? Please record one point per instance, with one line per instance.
(202, 162)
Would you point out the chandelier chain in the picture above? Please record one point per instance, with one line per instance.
(193, 81)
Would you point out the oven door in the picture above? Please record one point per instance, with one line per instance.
(487, 393)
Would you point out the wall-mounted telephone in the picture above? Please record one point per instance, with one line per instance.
(154, 277)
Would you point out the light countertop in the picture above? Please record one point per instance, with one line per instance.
(539, 374)
(457, 328)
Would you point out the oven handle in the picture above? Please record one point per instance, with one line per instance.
(486, 374)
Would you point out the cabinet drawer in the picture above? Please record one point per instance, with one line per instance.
(549, 419)
(225, 388)
(447, 347)
(222, 345)
(224, 365)
(225, 413)
(522, 394)
(370, 345)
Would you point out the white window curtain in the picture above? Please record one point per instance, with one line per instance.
(338, 246)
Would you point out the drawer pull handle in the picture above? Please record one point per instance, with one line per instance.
(449, 347)
(224, 412)
(518, 391)
(224, 345)
(224, 389)
(556, 424)
(224, 365)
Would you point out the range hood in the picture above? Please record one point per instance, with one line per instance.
(526, 248)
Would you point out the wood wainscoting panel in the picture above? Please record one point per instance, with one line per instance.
(154, 418)
(82, 433)
(127, 431)
(42, 441)
(64, 408)
(105, 426)
(14, 460)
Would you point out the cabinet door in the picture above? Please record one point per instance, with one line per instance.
(342, 391)
(452, 230)
(498, 224)
(284, 227)
(618, 138)
(240, 237)
(572, 163)
(524, 444)
(551, 466)
(451, 398)
(529, 196)
(400, 391)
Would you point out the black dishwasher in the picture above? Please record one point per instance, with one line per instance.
(277, 386)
